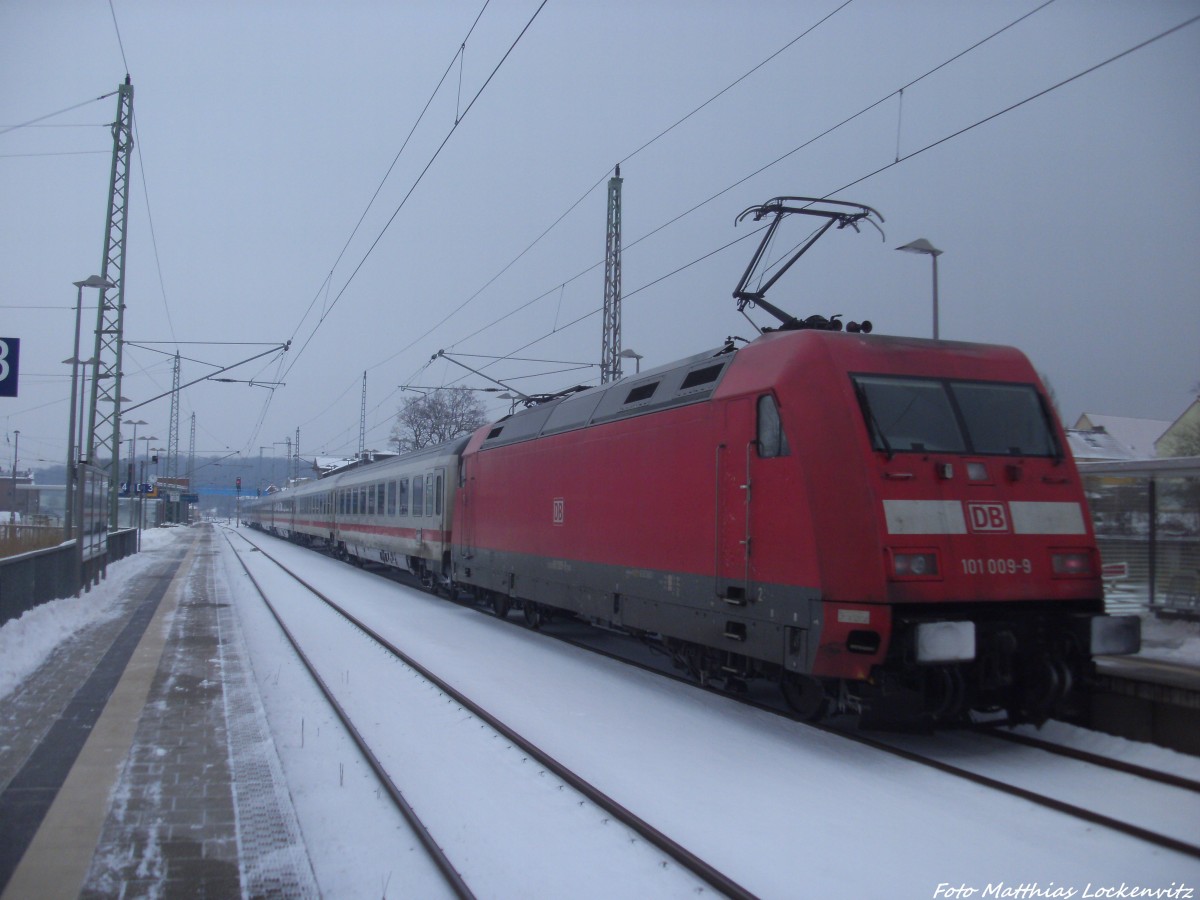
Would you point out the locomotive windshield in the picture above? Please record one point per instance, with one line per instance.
(935, 415)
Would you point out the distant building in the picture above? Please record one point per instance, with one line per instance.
(1097, 437)
(326, 466)
(1096, 445)
(1182, 437)
(15, 495)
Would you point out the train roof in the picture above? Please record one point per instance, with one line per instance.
(378, 471)
(697, 378)
(678, 383)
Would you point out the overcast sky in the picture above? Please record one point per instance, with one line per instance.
(1070, 225)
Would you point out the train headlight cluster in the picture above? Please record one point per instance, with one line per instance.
(915, 565)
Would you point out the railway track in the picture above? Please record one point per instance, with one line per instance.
(924, 750)
(539, 763)
(1176, 790)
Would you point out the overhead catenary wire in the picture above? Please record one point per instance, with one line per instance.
(661, 134)
(7, 129)
(117, 29)
(420, 177)
(632, 244)
(865, 177)
(605, 176)
(828, 131)
(324, 289)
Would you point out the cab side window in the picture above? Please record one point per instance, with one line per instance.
(772, 441)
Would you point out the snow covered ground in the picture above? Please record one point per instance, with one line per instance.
(786, 810)
(783, 809)
(26, 642)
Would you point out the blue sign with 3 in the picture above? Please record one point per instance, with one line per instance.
(10, 358)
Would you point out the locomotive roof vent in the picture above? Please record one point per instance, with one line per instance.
(700, 377)
(641, 392)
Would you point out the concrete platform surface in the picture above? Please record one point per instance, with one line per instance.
(137, 762)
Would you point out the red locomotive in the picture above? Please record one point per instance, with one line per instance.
(886, 525)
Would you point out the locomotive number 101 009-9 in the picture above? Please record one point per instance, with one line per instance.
(996, 566)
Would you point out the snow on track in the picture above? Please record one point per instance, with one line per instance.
(483, 799)
(783, 809)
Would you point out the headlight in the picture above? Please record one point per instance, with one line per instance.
(915, 565)
(945, 642)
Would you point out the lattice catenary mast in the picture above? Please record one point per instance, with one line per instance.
(610, 349)
(362, 420)
(173, 433)
(104, 416)
(191, 468)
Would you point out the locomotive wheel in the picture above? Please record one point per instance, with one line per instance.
(1043, 689)
(534, 618)
(805, 695)
(500, 605)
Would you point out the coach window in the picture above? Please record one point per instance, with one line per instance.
(772, 441)
(404, 496)
(418, 495)
(438, 509)
(429, 495)
(391, 498)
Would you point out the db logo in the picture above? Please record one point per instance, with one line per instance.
(987, 516)
(559, 510)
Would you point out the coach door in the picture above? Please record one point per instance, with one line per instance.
(464, 513)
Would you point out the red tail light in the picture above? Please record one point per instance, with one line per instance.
(1077, 565)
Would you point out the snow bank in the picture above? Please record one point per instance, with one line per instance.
(28, 641)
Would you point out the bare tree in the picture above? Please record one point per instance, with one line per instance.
(436, 418)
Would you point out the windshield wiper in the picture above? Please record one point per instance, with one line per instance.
(869, 414)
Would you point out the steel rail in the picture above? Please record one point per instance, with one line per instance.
(686, 858)
(1061, 806)
(1167, 778)
(439, 857)
(1042, 800)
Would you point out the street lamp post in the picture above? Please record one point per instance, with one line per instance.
(68, 514)
(635, 356)
(12, 516)
(920, 245)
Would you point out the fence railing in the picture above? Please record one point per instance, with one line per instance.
(33, 577)
(22, 537)
(1146, 514)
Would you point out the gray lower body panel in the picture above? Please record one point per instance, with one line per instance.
(780, 625)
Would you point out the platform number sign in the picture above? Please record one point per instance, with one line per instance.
(10, 358)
